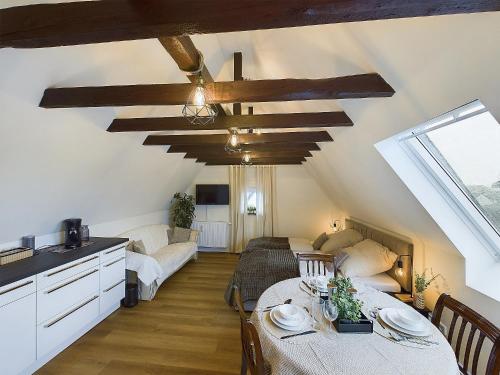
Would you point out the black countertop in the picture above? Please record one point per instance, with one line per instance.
(27, 267)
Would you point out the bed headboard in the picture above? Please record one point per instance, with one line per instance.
(395, 243)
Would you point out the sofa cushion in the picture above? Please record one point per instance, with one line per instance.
(172, 256)
(181, 235)
(137, 247)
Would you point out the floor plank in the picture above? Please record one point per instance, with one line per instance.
(187, 329)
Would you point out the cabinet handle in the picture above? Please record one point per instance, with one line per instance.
(70, 282)
(112, 251)
(74, 265)
(16, 287)
(116, 261)
(113, 286)
(69, 312)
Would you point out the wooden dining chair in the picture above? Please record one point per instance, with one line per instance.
(316, 263)
(251, 353)
(477, 323)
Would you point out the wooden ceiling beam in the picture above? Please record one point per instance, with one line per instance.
(349, 87)
(264, 121)
(257, 147)
(254, 161)
(262, 154)
(299, 137)
(83, 22)
(188, 59)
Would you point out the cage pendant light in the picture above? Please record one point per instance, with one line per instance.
(197, 110)
(233, 143)
(246, 159)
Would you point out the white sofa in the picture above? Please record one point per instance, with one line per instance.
(161, 259)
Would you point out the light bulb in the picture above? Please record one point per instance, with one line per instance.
(246, 158)
(399, 272)
(258, 131)
(199, 96)
(234, 140)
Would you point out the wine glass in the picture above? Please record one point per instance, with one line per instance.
(331, 314)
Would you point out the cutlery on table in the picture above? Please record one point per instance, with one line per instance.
(298, 334)
(287, 302)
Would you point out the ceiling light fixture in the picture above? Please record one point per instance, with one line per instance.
(233, 142)
(197, 110)
(246, 160)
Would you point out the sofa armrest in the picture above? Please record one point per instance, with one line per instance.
(148, 269)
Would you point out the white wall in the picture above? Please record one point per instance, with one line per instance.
(304, 210)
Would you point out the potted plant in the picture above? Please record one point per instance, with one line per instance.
(421, 284)
(182, 210)
(251, 210)
(350, 318)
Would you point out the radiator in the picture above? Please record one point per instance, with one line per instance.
(212, 233)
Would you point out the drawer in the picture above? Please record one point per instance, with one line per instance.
(57, 274)
(111, 296)
(63, 327)
(17, 290)
(113, 252)
(112, 271)
(54, 299)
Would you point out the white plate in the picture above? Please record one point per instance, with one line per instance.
(383, 314)
(407, 319)
(294, 328)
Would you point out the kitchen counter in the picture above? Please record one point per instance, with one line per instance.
(21, 269)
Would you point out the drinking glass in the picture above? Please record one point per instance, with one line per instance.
(317, 311)
(331, 314)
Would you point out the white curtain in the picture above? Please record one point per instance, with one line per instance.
(238, 206)
(266, 200)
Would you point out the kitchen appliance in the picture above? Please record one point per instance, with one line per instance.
(73, 238)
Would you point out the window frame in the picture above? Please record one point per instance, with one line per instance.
(442, 180)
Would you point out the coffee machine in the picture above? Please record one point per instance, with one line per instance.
(73, 238)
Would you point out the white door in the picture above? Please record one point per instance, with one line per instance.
(18, 335)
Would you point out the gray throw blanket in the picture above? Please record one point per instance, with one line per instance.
(269, 243)
(257, 270)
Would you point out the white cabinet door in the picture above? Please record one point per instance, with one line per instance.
(18, 335)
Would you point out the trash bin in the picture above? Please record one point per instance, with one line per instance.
(131, 295)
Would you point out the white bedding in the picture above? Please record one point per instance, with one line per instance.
(300, 245)
(382, 282)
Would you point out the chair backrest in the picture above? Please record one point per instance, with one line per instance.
(318, 264)
(239, 303)
(477, 323)
(252, 349)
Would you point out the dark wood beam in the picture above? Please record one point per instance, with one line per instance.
(349, 87)
(238, 76)
(258, 147)
(264, 121)
(49, 25)
(254, 154)
(299, 137)
(258, 160)
(188, 58)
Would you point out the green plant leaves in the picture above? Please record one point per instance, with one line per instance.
(182, 210)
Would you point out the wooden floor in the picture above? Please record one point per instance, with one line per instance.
(187, 329)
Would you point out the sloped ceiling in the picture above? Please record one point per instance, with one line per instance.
(59, 163)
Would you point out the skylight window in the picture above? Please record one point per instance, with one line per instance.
(461, 151)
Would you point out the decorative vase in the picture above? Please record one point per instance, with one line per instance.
(419, 300)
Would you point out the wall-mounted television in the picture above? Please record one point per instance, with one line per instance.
(212, 194)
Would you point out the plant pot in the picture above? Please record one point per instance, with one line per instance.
(364, 325)
(419, 301)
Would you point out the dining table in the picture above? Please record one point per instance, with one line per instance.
(330, 352)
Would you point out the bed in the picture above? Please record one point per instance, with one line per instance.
(268, 260)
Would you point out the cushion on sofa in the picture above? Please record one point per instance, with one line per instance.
(193, 237)
(136, 246)
(181, 235)
(339, 240)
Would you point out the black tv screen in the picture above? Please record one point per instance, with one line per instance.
(212, 194)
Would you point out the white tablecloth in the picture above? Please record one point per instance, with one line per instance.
(350, 354)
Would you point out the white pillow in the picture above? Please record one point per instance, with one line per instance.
(340, 240)
(367, 258)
